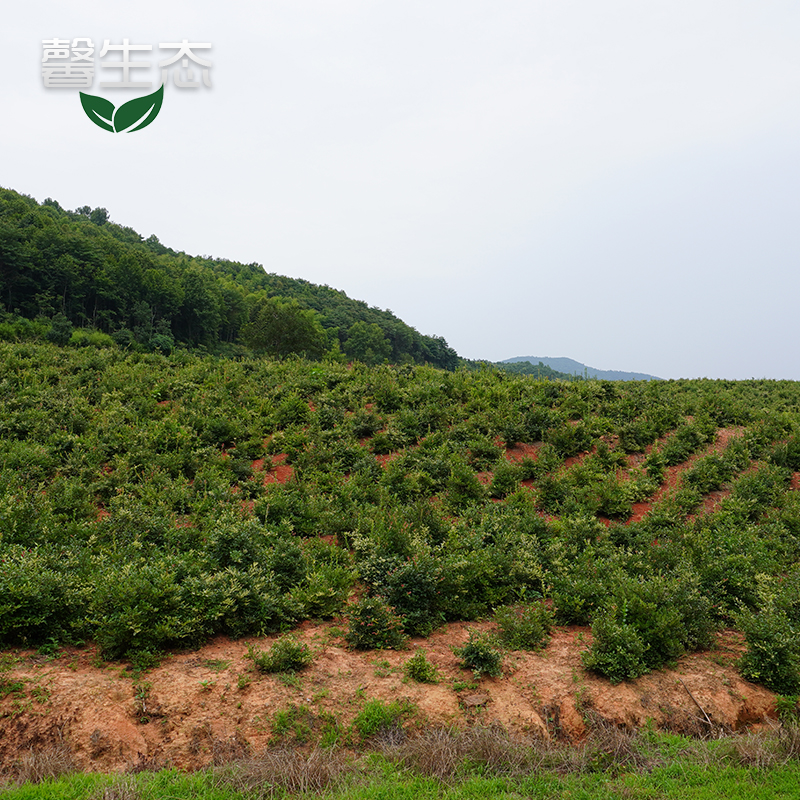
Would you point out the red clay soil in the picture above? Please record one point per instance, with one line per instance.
(521, 450)
(279, 471)
(484, 478)
(211, 700)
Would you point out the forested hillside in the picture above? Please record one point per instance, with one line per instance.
(77, 270)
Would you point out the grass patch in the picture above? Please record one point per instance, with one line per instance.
(216, 664)
(478, 762)
(377, 717)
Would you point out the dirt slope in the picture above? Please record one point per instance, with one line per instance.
(210, 702)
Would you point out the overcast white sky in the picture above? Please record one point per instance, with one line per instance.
(612, 181)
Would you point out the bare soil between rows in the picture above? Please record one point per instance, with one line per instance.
(201, 705)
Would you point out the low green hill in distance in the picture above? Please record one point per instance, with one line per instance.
(86, 272)
(528, 365)
(538, 371)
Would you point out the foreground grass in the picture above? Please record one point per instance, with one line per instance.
(679, 781)
(642, 766)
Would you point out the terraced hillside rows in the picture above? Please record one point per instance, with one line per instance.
(151, 502)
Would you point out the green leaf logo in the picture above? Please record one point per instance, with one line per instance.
(99, 110)
(131, 116)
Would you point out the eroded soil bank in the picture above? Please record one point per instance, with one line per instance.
(211, 702)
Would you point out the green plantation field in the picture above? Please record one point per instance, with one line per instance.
(150, 501)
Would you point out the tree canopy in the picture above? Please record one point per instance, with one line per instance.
(282, 327)
(105, 276)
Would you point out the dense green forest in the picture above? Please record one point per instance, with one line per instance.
(79, 273)
(150, 501)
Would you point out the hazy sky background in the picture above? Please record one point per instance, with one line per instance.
(612, 181)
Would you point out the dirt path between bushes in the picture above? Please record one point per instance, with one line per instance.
(672, 475)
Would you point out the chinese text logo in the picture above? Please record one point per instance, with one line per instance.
(70, 65)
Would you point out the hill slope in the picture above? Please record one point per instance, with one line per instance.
(105, 276)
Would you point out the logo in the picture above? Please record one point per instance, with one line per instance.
(70, 64)
(131, 116)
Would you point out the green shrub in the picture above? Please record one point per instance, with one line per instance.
(788, 708)
(383, 443)
(569, 440)
(505, 480)
(374, 625)
(377, 716)
(83, 337)
(139, 606)
(236, 602)
(292, 411)
(529, 469)
(287, 654)
(524, 627)
(42, 595)
(419, 669)
(687, 440)
(617, 649)
(551, 493)
(60, 329)
(635, 435)
(612, 498)
(483, 452)
(647, 623)
(773, 634)
(489, 559)
(773, 651)
(365, 424)
(536, 423)
(413, 589)
(236, 543)
(463, 487)
(481, 655)
(787, 454)
(580, 588)
(325, 591)
(512, 432)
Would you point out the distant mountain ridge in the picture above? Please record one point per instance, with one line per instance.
(572, 367)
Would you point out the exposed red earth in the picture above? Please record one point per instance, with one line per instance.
(278, 471)
(211, 701)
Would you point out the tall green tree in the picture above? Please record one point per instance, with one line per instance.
(280, 327)
(366, 343)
